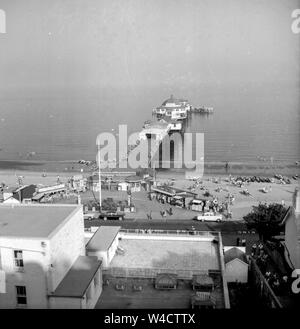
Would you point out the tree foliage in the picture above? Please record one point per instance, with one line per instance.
(266, 219)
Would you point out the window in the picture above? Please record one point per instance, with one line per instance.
(21, 295)
(18, 259)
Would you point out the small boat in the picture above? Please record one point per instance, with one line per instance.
(203, 109)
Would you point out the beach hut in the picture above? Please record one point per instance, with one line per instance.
(203, 300)
(166, 281)
(134, 182)
(202, 282)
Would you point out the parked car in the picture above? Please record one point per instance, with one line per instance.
(209, 217)
(90, 215)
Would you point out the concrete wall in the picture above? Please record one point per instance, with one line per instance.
(94, 291)
(236, 270)
(291, 239)
(106, 255)
(101, 255)
(66, 303)
(66, 245)
(112, 250)
(33, 275)
(165, 237)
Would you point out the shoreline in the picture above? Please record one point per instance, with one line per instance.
(66, 167)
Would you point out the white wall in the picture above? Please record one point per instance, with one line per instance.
(236, 270)
(9, 199)
(66, 245)
(291, 239)
(33, 276)
(179, 237)
(106, 255)
(113, 248)
(66, 303)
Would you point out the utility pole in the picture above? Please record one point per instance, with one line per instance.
(99, 177)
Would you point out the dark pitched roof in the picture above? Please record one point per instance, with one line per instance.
(234, 253)
(25, 192)
(78, 278)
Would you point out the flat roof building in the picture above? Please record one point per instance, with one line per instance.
(147, 260)
(42, 249)
(104, 243)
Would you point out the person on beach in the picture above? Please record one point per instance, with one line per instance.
(226, 167)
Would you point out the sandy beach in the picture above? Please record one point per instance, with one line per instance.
(242, 205)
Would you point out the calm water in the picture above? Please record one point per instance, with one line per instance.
(248, 121)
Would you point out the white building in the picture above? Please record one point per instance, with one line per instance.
(174, 108)
(156, 130)
(236, 265)
(42, 258)
(292, 232)
(104, 244)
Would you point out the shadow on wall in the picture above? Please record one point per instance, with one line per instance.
(29, 286)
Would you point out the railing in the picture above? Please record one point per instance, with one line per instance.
(223, 275)
(169, 232)
(262, 284)
(125, 272)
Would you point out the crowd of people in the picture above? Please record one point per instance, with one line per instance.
(278, 283)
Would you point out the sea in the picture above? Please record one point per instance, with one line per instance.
(250, 121)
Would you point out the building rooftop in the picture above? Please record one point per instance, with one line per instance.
(133, 178)
(182, 255)
(103, 238)
(33, 221)
(234, 253)
(24, 192)
(77, 280)
(173, 100)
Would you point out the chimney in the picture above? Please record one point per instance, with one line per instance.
(296, 200)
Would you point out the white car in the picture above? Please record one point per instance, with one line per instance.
(91, 215)
(209, 217)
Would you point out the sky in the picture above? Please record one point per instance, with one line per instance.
(138, 44)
